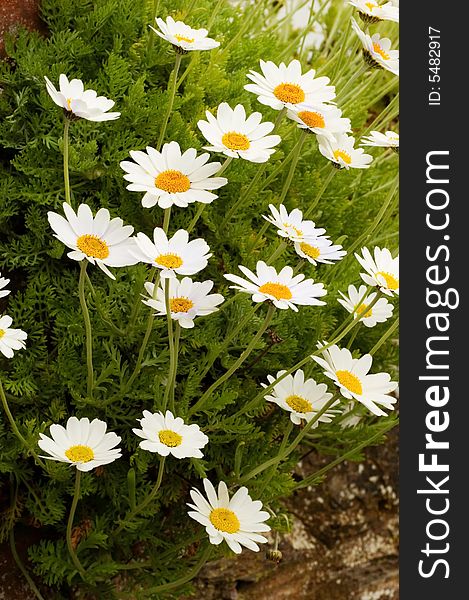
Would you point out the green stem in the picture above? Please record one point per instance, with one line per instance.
(152, 34)
(71, 550)
(283, 445)
(104, 317)
(68, 198)
(174, 77)
(167, 391)
(353, 336)
(342, 50)
(358, 73)
(319, 195)
(167, 215)
(384, 337)
(88, 330)
(294, 162)
(14, 427)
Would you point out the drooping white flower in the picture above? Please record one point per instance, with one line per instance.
(342, 152)
(182, 36)
(372, 12)
(324, 120)
(171, 177)
(356, 302)
(283, 289)
(3, 283)
(81, 443)
(101, 240)
(291, 225)
(285, 86)
(377, 51)
(231, 133)
(390, 139)
(10, 339)
(187, 300)
(382, 269)
(303, 399)
(167, 434)
(320, 250)
(352, 377)
(239, 520)
(86, 104)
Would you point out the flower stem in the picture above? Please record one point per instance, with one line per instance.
(167, 215)
(169, 389)
(172, 93)
(151, 36)
(384, 337)
(88, 331)
(68, 198)
(71, 550)
(294, 162)
(283, 445)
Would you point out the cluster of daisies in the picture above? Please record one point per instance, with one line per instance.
(175, 177)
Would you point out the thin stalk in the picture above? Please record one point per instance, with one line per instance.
(174, 77)
(71, 550)
(174, 366)
(88, 330)
(12, 421)
(384, 337)
(294, 162)
(319, 195)
(214, 13)
(167, 391)
(167, 215)
(342, 50)
(68, 198)
(283, 445)
(152, 34)
(353, 336)
(105, 318)
(361, 71)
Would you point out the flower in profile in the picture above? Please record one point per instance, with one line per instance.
(86, 104)
(285, 86)
(382, 270)
(238, 520)
(303, 399)
(10, 339)
(356, 302)
(291, 225)
(102, 241)
(372, 12)
(342, 152)
(377, 51)
(237, 136)
(390, 139)
(172, 177)
(183, 37)
(187, 300)
(167, 434)
(324, 120)
(173, 256)
(81, 443)
(283, 289)
(352, 377)
(320, 250)
(3, 283)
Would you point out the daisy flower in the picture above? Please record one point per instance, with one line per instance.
(3, 283)
(377, 51)
(237, 136)
(323, 120)
(372, 12)
(172, 177)
(81, 443)
(382, 269)
(356, 302)
(342, 152)
(302, 398)
(101, 240)
(352, 377)
(173, 256)
(283, 289)
(167, 434)
(238, 520)
(291, 225)
(75, 100)
(187, 300)
(390, 139)
(10, 339)
(183, 37)
(319, 250)
(285, 86)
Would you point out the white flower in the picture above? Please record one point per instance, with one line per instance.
(182, 36)
(372, 12)
(342, 152)
(291, 225)
(390, 139)
(351, 376)
(320, 250)
(285, 86)
(283, 289)
(10, 339)
(302, 398)
(377, 50)
(3, 283)
(171, 177)
(237, 136)
(237, 521)
(81, 443)
(167, 434)
(86, 104)
(322, 120)
(175, 255)
(382, 270)
(101, 240)
(357, 302)
(187, 300)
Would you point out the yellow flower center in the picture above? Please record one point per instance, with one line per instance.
(343, 155)
(178, 305)
(181, 38)
(359, 309)
(79, 454)
(277, 290)
(391, 282)
(172, 181)
(298, 232)
(299, 404)
(377, 48)
(92, 245)
(371, 5)
(289, 92)
(170, 438)
(310, 251)
(350, 381)
(69, 100)
(312, 119)
(169, 261)
(225, 520)
(2, 333)
(235, 141)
